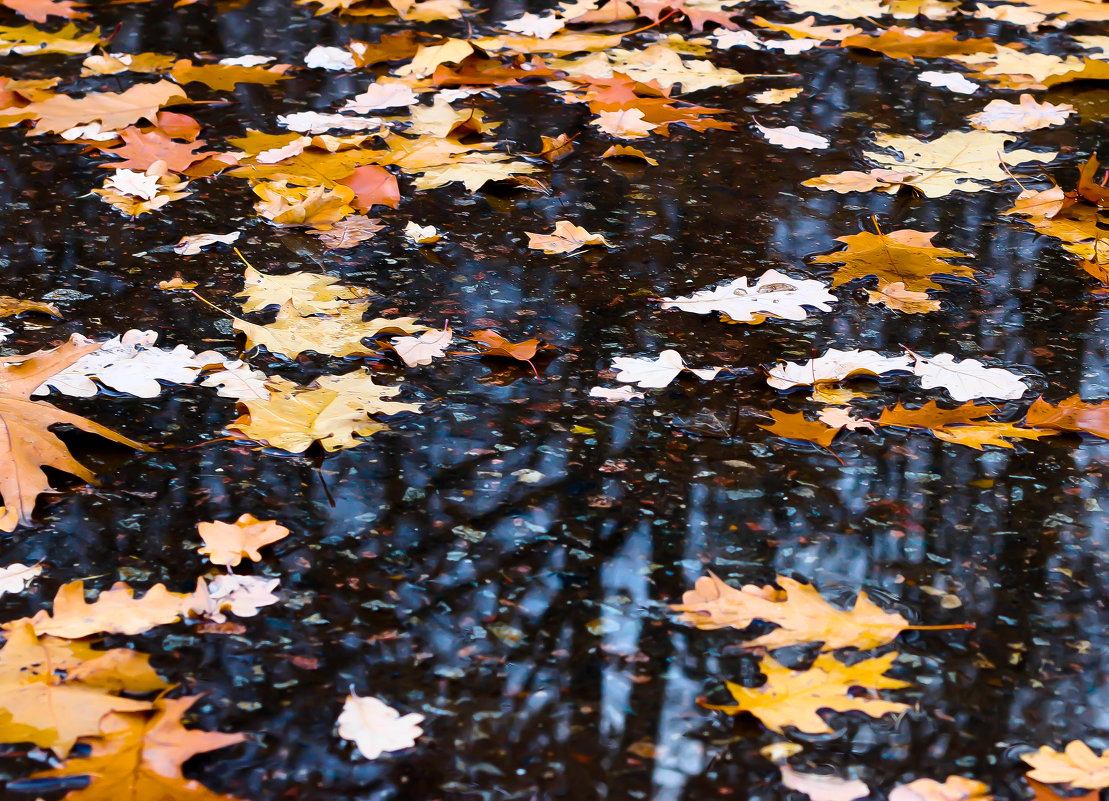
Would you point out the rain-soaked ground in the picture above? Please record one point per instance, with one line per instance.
(525, 613)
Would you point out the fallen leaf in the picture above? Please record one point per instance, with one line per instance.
(348, 232)
(53, 691)
(31, 445)
(1027, 115)
(227, 543)
(421, 234)
(138, 755)
(795, 426)
(337, 334)
(566, 238)
(795, 697)
(967, 379)
(1072, 414)
(111, 110)
(425, 348)
(819, 787)
(658, 372)
(835, 365)
(954, 788)
(307, 293)
(773, 294)
(194, 243)
(242, 596)
(115, 611)
(904, 257)
(16, 577)
(1076, 766)
(801, 615)
(376, 728)
(333, 410)
(792, 137)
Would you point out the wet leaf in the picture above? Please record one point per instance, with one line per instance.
(227, 543)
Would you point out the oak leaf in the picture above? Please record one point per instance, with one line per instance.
(227, 543)
(655, 373)
(31, 444)
(1026, 115)
(54, 691)
(242, 596)
(773, 294)
(910, 43)
(963, 425)
(16, 577)
(906, 257)
(333, 410)
(115, 611)
(224, 77)
(833, 366)
(12, 307)
(801, 615)
(792, 137)
(1071, 414)
(140, 756)
(795, 697)
(967, 379)
(953, 788)
(141, 150)
(795, 426)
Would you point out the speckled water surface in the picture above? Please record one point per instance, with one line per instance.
(502, 562)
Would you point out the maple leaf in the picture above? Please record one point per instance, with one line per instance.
(473, 173)
(795, 697)
(333, 411)
(338, 334)
(910, 43)
(115, 611)
(375, 727)
(626, 123)
(307, 293)
(795, 426)
(283, 205)
(140, 756)
(773, 294)
(1072, 414)
(112, 111)
(41, 10)
(141, 150)
(425, 348)
(964, 161)
(799, 611)
(53, 691)
(566, 238)
(31, 445)
(905, 256)
(963, 425)
(1076, 765)
(348, 232)
(227, 543)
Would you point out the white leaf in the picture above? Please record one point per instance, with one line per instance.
(135, 183)
(329, 58)
(381, 95)
(375, 727)
(823, 788)
(191, 245)
(615, 393)
(127, 364)
(740, 38)
(774, 294)
(425, 348)
(791, 47)
(835, 365)
(949, 80)
(16, 577)
(968, 379)
(237, 380)
(91, 131)
(315, 123)
(792, 137)
(246, 61)
(535, 25)
(655, 373)
(240, 595)
(1027, 115)
(421, 234)
(276, 154)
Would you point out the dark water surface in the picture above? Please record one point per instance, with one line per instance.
(524, 613)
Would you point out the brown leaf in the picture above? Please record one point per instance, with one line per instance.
(795, 426)
(227, 543)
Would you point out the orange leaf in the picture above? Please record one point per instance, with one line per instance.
(227, 543)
